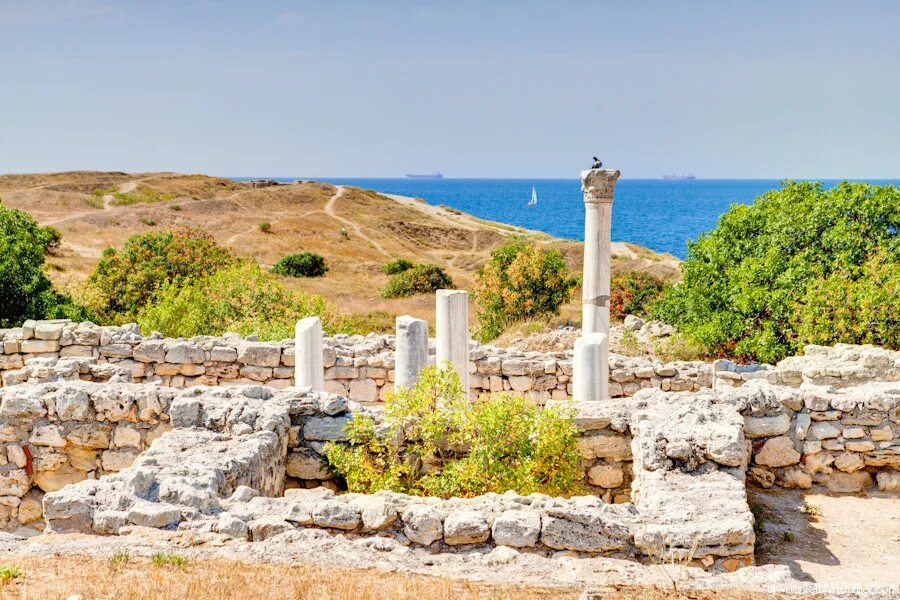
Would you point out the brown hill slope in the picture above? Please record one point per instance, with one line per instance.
(94, 210)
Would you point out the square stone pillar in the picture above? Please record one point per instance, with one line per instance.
(308, 361)
(411, 355)
(452, 329)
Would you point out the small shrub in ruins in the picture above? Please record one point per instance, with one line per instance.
(421, 279)
(303, 264)
(167, 559)
(265, 227)
(436, 442)
(633, 293)
(397, 266)
(7, 574)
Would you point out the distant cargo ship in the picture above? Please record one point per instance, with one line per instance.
(427, 176)
(683, 176)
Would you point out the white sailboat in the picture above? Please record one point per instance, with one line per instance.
(533, 200)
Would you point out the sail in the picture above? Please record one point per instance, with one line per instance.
(533, 200)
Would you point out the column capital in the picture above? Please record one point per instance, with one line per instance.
(598, 184)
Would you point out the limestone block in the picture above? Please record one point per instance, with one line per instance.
(881, 434)
(795, 478)
(16, 455)
(758, 427)
(150, 351)
(88, 436)
(335, 514)
(306, 464)
(513, 366)
(191, 370)
(376, 513)
(521, 383)
(517, 528)
(849, 462)
(116, 350)
(51, 481)
(853, 433)
(112, 404)
(888, 481)
(11, 361)
(258, 354)
(39, 346)
(256, 373)
(224, 354)
(113, 460)
(154, 514)
(812, 447)
(341, 373)
(48, 435)
(14, 483)
(422, 524)
(582, 531)
(19, 403)
(777, 452)
(333, 386)
(325, 429)
(606, 445)
(30, 509)
(606, 476)
(845, 483)
(859, 446)
(801, 426)
(72, 404)
(126, 437)
(232, 526)
(264, 528)
(167, 369)
(184, 353)
(465, 527)
(824, 430)
(363, 390)
(83, 459)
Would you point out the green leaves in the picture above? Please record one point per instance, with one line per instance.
(434, 441)
(754, 287)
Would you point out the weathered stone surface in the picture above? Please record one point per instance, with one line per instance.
(465, 527)
(606, 476)
(325, 428)
(846, 483)
(608, 445)
(586, 530)
(777, 452)
(153, 514)
(306, 464)
(757, 427)
(258, 354)
(335, 514)
(376, 513)
(517, 528)
(888, 481)
(264, 528)
(422, 524)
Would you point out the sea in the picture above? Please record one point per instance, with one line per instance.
(660, 214)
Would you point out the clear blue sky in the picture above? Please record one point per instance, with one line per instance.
(472, 88)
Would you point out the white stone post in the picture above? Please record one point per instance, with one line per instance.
(308, 363)
(591, 368)
(590, 377)
(452, 328)
(411, 355)
(597, 185)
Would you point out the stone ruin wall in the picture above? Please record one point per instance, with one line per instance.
(361, 367)
(242, 463)
(830, 417)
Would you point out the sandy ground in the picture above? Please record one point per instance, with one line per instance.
(855, 542)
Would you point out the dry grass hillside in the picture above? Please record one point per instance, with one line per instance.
(94, 210)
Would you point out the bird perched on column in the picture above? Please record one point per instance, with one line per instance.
(598, 164)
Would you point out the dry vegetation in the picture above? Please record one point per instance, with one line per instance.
(86, 208)
(126, 578)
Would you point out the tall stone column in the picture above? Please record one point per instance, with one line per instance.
(597, 185)
(591, 368)
(411, 355)
(590, 376)
(452, 328)
(308, 364)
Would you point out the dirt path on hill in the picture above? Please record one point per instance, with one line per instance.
(329, 210)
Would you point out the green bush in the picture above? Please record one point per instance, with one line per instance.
(265, 227)
(25, 291)
(242, 298)
(633, 293)
(436, 442)
(520, 281)
(421, 279)
(397, 266)
(304, 264)
(759, 286)
(124, 281)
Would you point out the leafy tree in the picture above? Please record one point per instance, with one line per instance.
(25, 291)
(125, 281)
(242, 298)
(520, 281)
(421, 279)
(435, 442)
(397, 266)
(757, 286)
(304, 264)
(633, 293)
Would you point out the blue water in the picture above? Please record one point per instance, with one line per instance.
(659, 214)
